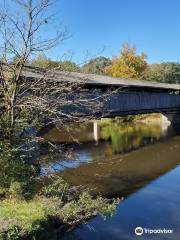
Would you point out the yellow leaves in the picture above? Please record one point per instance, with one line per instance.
(8, 74)
(43, 62)
(128, 64)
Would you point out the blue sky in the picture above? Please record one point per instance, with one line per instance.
(153, 26)
(102, 26)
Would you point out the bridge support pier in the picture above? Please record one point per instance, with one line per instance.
(96, 131)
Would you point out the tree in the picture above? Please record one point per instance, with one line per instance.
(43, 62)
(96, 65)
(128, 64)
(23, 35)
(68, 66)
(28, 103)
(163, 72)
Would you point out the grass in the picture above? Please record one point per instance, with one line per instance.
(22, 213)
(33, 218)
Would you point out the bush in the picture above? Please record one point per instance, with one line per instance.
(15, 173)
(34, 218)
(57, 189)
(16, 191)
(86, 207)
(12, 233)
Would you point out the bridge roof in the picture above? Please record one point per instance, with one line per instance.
(95, 80)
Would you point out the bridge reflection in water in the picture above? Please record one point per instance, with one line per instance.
(124, 160)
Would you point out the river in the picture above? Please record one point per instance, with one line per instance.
(136, 161)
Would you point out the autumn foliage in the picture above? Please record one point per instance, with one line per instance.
(128, 64)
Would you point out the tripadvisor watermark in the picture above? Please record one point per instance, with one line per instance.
(140, 231)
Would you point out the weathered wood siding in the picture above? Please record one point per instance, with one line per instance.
(141, 102)
(123, 103)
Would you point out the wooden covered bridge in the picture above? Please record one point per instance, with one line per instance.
(128, 96)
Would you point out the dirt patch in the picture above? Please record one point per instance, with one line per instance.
(5, 224)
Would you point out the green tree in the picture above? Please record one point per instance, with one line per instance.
(68, 66)
(163, 72)
(128, 64)
(97, 65)
(43, 62)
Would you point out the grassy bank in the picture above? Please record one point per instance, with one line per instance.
(52, 211)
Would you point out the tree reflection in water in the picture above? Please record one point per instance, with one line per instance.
(126, 137)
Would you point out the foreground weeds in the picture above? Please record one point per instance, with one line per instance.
(52, 211)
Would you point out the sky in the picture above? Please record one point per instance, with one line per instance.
(100, 27)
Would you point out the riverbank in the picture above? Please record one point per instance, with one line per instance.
(28, 211)
(54, 210)
(138, 174)
(151, 118)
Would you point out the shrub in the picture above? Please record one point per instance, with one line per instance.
(15, 191)
(86, 207)
(15, 173)
(12, 233)
(57, 189)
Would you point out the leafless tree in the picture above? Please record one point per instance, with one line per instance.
(22, 35)
(28, 101)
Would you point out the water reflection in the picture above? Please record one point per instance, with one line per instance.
(122, 174)
(123, 136)
(120, 160)
(126, 137)
(155, 206)
(111, 167)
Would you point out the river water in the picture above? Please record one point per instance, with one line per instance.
(139, 162)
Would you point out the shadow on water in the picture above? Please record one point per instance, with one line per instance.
(123, 159)
(155, 206)
(121, 175)
(137, 161)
